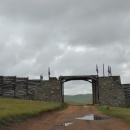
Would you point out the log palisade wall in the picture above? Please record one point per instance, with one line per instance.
(24, 88)
(127, 94)
(111, 91)
(12, 86)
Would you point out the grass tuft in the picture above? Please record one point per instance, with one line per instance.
(15, 110)
(123, 113)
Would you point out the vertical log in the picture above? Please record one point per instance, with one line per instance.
(60, 91)
(15, 88)
(96, 92)
(2, 85)
(93, 89)
(27, 89)
(97, 85)
(63, 93)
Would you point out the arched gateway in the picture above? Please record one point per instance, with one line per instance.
(90, 78)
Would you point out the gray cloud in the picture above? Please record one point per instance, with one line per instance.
(70, 36)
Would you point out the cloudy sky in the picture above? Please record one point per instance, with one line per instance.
(69, 36)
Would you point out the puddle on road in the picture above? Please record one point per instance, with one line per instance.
(64, 124)
(86, 106)
(93, 117)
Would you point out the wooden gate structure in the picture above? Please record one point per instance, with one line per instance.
(90, 78)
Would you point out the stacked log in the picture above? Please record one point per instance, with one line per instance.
(127, 94)
(32, 88)
(9, 84)
(1, 85)
(21, 90)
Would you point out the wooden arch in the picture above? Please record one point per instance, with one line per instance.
(89, 78)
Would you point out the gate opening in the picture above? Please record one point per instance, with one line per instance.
(78, 92)
(93, 79)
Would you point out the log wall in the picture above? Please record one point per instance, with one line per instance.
(21, 88)
(127, 93)
(111, 91)
(12, 86)
(24, 88)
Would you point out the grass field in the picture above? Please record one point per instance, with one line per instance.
(123, 113)
(79, 99)
(14, 110)
(78, 103)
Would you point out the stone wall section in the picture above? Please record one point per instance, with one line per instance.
(111, 91)
(49, 90)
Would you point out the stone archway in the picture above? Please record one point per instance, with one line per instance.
(89, 78)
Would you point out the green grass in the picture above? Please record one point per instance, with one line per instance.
(15, 110)
(78, 103)
(78, 98)
(123, 113)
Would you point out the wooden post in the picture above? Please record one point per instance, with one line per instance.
(96, 89)
(60, 90)
(2, 86)
(27, 88)
(15, 88)
(92, 92)
(63, 93)
(103, 71)
(95, 93)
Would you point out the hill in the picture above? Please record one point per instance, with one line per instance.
(78, 98)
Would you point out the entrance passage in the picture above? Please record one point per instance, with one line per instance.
(89, 78)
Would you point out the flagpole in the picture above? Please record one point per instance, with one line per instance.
(108, 71)
(49, 72)
(111, 72)
(97, 69)
(103, 71)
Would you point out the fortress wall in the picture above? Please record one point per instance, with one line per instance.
(127, 93)
(111, 91)
(49, 90)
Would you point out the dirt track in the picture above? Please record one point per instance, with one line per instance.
(54, 121)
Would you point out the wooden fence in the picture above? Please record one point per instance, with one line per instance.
(12, 86)
(127, 93)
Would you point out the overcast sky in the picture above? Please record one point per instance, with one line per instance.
(69, 36)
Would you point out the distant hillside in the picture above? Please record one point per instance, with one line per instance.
(78, 98)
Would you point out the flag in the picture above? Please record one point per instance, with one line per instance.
(108, 70)
(103, 71)
(49, 71)
(97, 68)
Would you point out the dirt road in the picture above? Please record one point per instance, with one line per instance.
(59, 120)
